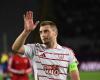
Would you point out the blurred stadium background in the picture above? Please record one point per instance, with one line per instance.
(78, 23)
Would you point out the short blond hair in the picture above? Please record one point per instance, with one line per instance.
(51, 23)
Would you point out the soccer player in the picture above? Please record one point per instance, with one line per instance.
(19, 67)
(52, 60)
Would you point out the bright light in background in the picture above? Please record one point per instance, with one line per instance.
(90, 66)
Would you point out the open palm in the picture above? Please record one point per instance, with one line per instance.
(29, 24)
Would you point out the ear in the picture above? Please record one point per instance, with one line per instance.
(55, 33)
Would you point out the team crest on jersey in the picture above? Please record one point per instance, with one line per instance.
(61, 56)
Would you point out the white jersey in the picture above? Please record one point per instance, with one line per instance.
(51, 64)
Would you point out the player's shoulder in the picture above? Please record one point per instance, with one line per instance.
(67, 48)
(33, 44)
(36, 45)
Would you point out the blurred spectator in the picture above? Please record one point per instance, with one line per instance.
(19, 67)
(4, 64)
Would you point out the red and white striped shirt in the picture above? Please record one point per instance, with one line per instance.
(51, 64)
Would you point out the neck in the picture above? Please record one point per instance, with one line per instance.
(51, 45)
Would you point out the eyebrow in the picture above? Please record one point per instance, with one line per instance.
(43, 30)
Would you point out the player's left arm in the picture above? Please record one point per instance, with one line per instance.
(74, 72)
(73, 66)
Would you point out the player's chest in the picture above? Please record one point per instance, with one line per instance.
(52, 53)
(52, 56)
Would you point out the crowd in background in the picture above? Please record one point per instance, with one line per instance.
(78, 22)
(17, 63)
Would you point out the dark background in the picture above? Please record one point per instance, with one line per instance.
(77, 21)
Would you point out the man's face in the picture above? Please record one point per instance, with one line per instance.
(47, 34)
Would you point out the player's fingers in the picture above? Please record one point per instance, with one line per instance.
(24, 17)
(27, 15)
(37, 22)
(30, 14)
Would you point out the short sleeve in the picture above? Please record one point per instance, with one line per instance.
(72, 57)
(30, 50)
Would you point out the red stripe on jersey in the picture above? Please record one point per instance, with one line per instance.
(45, 64)
(48, 77)
(54, 53)
(54, 59)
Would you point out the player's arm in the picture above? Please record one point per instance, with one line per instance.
(12, 70)
(28, 27)
(74, 72)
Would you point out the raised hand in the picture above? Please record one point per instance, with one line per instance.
(29, 24)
